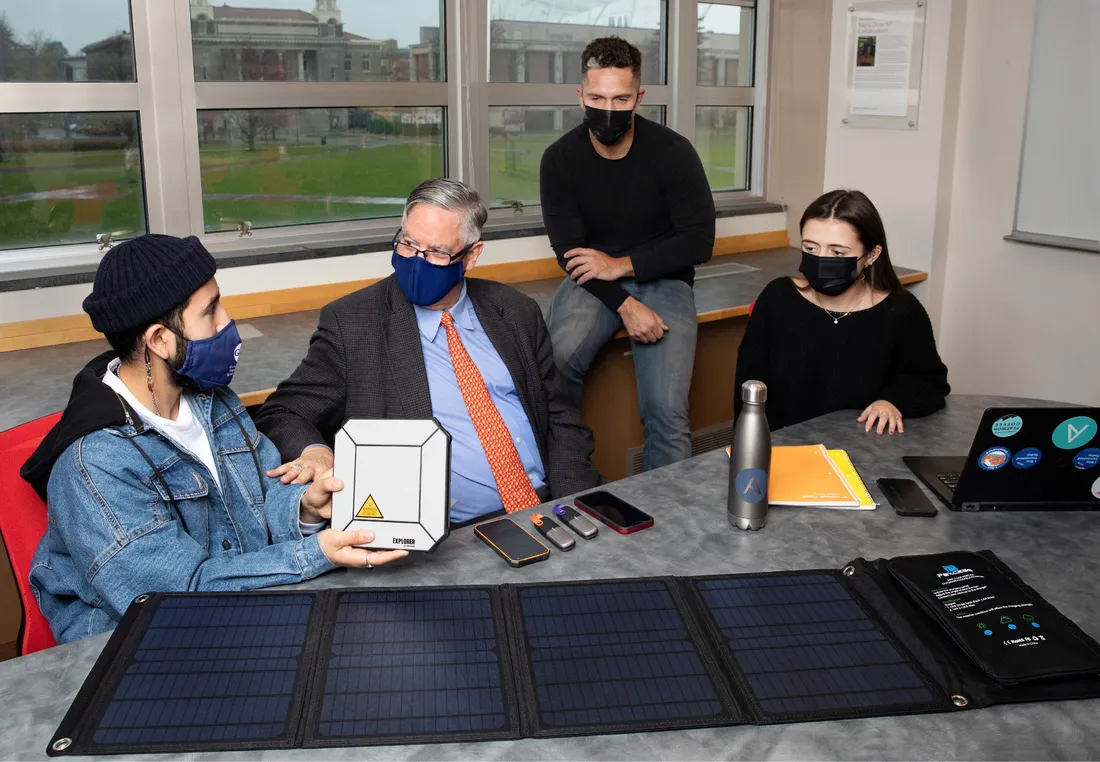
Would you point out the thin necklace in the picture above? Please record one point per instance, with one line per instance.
(838, 316)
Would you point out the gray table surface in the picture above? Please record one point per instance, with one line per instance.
(1052, 551)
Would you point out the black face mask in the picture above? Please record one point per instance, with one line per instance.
(606, 125)
(831, 276)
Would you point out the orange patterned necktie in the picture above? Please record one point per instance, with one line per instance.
(516, 492)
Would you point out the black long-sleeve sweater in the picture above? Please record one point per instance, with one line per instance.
(654, 205)
(813, 366)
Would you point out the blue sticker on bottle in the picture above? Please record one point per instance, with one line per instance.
(1074, 433)
(1026, 458)
(1007, 425)
(994, 459)
(752, 485)
(1087, 459)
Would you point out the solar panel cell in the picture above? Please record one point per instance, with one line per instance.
(612, 653)
(802, 644)
(413, 662)
(195, 677)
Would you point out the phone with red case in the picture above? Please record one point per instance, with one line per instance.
(618, 514)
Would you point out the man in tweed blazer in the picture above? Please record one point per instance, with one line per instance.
(381, 353)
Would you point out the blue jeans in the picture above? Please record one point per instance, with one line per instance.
(580, 325)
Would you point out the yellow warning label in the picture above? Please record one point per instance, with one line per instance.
(369, 510)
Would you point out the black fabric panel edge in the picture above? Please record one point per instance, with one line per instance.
(312, 740)
(121, 660)
(74, 725)
(940, 702)
(940, 655)
(526, 684)
(324, 611)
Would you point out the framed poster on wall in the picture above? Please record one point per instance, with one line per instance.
(885, 45)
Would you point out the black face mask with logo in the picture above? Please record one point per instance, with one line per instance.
(831, 276)
(606, 125)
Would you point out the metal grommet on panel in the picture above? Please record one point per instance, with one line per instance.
(849, 571)
(61, 744)
(960, 701)
(141, 598)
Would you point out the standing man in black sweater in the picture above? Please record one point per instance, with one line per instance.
(629, 213)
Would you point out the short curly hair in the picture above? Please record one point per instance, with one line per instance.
(611, 53)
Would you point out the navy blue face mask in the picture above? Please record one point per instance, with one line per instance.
(424, 283)
(211, 363)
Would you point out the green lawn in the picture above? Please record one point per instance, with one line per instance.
(514, 165)
(338, 171)
(724, 156)
(110, 197)
(388, 171)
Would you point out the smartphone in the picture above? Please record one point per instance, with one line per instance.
(907, 498)
(618, 514)
(515, 545)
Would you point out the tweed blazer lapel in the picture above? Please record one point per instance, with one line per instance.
(404, 356)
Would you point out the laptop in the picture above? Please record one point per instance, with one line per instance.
(1022, 459)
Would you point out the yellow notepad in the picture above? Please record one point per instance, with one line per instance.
(849, 474)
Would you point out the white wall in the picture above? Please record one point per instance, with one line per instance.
(1011, 319)
(1016, 319)
(17, 306)
(897, 169)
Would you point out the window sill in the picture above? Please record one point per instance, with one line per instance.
(499, 229)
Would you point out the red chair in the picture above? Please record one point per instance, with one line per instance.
(752, 307)
(23, 523)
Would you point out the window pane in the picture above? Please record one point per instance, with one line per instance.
(65, 178)
(722, 140)
(542, 40)
(725, 45)
(66, 41)
(318, 40)
(276, 167)
(518, 135)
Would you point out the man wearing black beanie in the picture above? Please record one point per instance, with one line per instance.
(155, 475)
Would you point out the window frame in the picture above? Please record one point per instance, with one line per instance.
(168, 97)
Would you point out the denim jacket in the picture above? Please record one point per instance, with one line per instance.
(126, 520)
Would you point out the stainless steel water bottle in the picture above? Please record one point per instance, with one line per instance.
(750, 460)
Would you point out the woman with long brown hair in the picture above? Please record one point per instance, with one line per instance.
(844, 335)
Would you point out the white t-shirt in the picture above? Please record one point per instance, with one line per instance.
(186, 431)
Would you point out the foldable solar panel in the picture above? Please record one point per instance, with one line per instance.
(198, 672)
(801, 647)
(276, 670)
(406, 666)
(612, 657)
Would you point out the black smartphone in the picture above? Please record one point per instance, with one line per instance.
(515, 545)
(907, 498)
(618, 514)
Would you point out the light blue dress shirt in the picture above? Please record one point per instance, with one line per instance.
(473, 488)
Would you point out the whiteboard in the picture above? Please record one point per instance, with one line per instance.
(1059, 193)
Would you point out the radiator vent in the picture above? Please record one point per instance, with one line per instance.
(702, 440)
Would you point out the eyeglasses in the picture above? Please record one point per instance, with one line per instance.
(435, 256)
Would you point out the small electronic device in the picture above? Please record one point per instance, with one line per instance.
(907, 498)
(514, 543)
(618, 514)
(575, 521)
(550, 529)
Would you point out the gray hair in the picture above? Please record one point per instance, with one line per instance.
(454, 196)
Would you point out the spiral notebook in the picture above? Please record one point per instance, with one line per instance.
(811, 476)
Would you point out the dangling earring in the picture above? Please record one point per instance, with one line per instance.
(149, 382)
